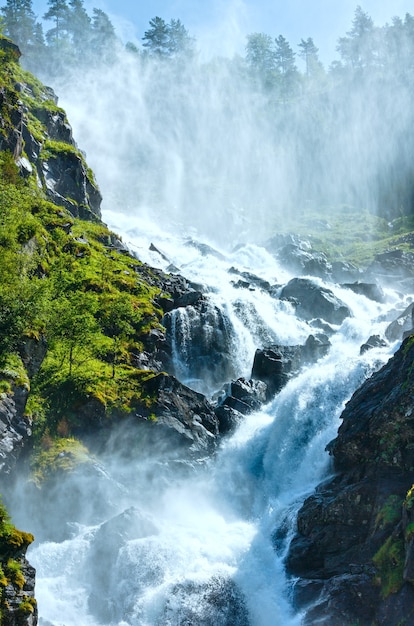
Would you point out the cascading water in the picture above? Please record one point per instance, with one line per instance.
(179, 543)
(160, 542)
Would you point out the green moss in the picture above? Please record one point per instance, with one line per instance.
(389, 561)
(390, 512)
(13, 370)
(409, 499)
(27, 606)
(54, 455)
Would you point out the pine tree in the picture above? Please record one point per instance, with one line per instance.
(260, 53)
(58, 13)
(103, 35)
(179, 41)
(359, 49)
(156, 38)
(309, 52)
(79, 26)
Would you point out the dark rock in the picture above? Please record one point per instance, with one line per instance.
(68, 184)
(314, 301)
(316, 347)
(403, 324)
(228, 418)
(199, 339)
(352, 532)
(374, 341)
(369, 290)
(250, 281)
(14, 597)
(33, 352)
(344, 271)
(205, 249)
(15, 428)
(57, 126)
(182, 410)
(296, 254)
(274, 365)
(392, 267)
(158, 251)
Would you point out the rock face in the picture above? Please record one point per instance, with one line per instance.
(15, 428)
(353, 548)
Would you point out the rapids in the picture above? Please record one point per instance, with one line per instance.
(204, 543)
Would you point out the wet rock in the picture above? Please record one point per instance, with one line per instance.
(250, 281)
(228, 418)
(375, 341)
(402, 324)
(15, 428)
(104, 551)
(315, 301)
(352, 531)
(344, 271)
(392, 266)
(296, 255)
(217, 601)
(369, 290)
(68, 184)
(274, 365)
(199, 339)
(205, 249)
(184, 412)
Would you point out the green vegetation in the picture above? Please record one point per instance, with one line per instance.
(63, 281)
(13, 544)
(390, 513)
(389, 561)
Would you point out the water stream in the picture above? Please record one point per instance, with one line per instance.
(204, 543)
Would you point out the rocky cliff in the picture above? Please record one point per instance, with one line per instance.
(353, 551)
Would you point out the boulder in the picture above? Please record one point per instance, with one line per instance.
(296, 255)
(369, 290)
(404, 323)
(315, 301)
(375, 341)
(15, 428)
(274, 365)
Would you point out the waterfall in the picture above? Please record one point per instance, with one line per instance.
(204, 543)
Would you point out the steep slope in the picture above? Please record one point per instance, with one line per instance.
(353, 552)
(81, 340)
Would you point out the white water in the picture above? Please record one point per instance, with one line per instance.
(213, 522)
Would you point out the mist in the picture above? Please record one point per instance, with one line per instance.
(219, 149)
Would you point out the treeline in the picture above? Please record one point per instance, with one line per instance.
(77, 37)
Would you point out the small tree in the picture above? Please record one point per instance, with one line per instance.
(309, 52)
(179, 41)
(260, 57)
(156, 38)
(116, 314)
(72, 327)
(79, 26)
(59, 14)
(103, 35)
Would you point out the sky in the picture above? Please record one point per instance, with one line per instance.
(222, 25)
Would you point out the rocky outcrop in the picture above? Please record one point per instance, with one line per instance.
(15, 428)
(297, 255)
(187, 414)
(274, 365)
(313, 301)
(353, 547)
